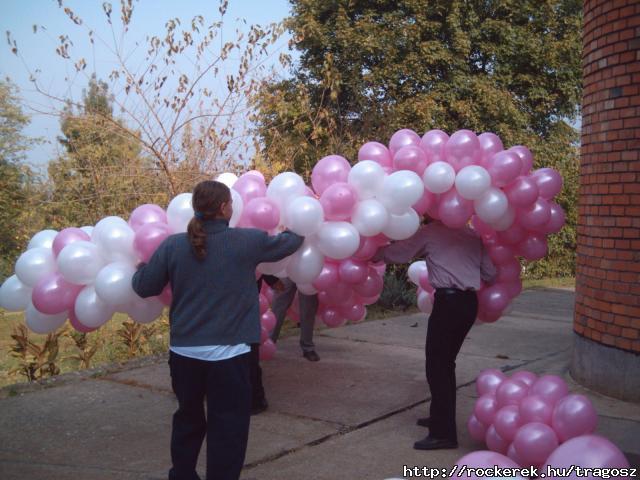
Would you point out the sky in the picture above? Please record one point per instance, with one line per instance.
(58, 77)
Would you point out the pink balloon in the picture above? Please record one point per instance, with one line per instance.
(53, 294)
(267, 350)
(264, 335)
(463, 149)
(533, 248)
(524, 376)
(67, 236)
(522, 192)
(148, 238)
(534, 442)
(403, 138)
(485, 408)
(511, 392)
(336, 294)
(331, 317)
(371, 286)
(366, 300)
(488, 381)
(411, 157)
(484, 459)
(495, 442)
(534, 408)
(329, 170)
(477, 429)
(504, 168)
(507, 422)
(377, 152)
(352, 271)
(328, 276)
(550, 387)
(509, 271)
(433, 143)
(574, 415)
(526, 156)
(268, 292)
(513, 455)
(338, 201)
(250, 186)
(268, 320)
(263, 302)
(145, 214)
(262, 212)
(75, 323)
(494, 298)
(512, 235)
(423, 281)
(490, 144)
(549, 182)
(255, 173)
(556, 219)
(500, 254)
(481, 228)
(354, 313)
(587, 451)
(453, 210)
(367, 249)
(513, 288)
(489, 316)
(536, 215)
(166, 297)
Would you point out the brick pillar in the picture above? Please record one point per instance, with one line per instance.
(606, 354)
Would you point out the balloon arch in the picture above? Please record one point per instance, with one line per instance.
(348, 212)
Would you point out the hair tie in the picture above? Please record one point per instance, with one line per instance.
(198, 215)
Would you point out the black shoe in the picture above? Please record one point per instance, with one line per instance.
(311, 355)
(424, 422)
(432, 443)
(259, 407)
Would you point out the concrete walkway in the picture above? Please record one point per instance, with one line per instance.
(350, 416)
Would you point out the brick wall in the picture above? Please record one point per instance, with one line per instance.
(608, 263)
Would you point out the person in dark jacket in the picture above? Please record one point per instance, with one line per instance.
(214, 317)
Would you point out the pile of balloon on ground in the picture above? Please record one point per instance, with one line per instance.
(536, 422)
(346, 214)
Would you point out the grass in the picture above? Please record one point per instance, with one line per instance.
(113, 349)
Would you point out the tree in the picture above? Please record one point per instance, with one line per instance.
(370, 67)
(188, 77)
(102, 171)
(15, 177)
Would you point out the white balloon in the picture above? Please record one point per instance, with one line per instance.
(41, 323)
(80, 262)
(228, 179)
(439, 177)
(306, 289)
(491, 206)
(367, 178)
(144, 310)
(505, 221)
(285, 186)
(15, 296)
(402, 226)
(238, 206)
(472, 182)
(113, 284)
(90, 310)
(370, 217)
(338, 240)
(114, 237)
(35, 264)
(180, 212)
(424, 302)
(400, 191)
(415, 270)
(88, 229)
(43, 238)
(273, 268)
(306, 264)
(304, 215)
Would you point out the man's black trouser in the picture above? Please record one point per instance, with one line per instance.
(454, 312)
(257, 388)
(226, 386)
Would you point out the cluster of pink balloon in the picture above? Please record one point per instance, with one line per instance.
(528, 418)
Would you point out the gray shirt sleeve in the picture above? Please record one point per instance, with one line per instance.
(152, 277)
(272, 249)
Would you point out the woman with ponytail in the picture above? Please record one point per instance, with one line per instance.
(214, 318)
